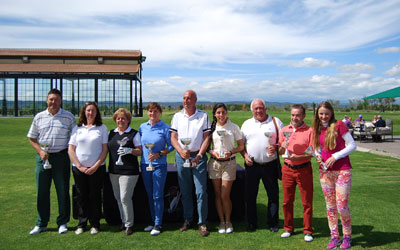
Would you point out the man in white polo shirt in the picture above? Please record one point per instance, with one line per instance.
(194, 124)
(261, 163)
(53, 126)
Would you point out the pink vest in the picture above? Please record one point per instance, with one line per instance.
(340, 164)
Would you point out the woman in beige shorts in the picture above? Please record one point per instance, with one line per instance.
(222, 164)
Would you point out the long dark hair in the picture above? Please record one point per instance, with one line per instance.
(214, 122)
(83, 119)
(331, 133)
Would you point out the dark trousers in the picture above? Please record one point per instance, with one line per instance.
(269, 175)
(60, 173)
(88, 188)
(304, 179)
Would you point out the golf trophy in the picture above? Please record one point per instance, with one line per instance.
(149, 146)
(186, 142)
(45, 146)
(222, 133)
(309, 151)
(121, 144)
(268, 135)
(287, 135)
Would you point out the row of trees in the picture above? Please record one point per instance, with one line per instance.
(381, 104)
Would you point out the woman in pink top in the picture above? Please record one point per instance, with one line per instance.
(334, 141)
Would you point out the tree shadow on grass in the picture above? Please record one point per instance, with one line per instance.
(370, 238)
(362, 235)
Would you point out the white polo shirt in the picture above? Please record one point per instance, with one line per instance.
(54, 129)
(254, 139)
(89, 142)
(232, 135)
(193, 127)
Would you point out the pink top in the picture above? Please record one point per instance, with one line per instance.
(299, 141)
(341, 164)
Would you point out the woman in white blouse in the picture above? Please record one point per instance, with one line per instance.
(222, 165)
(88, 151)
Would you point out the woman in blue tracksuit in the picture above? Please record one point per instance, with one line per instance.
(155, 132)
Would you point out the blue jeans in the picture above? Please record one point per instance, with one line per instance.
(186, 177)
(154, 182)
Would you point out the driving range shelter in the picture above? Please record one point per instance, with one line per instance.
(112, 78)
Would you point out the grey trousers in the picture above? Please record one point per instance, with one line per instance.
(123, 187)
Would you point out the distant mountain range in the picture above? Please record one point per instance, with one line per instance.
(269, 104)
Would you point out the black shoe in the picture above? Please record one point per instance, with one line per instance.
(129, 231)
(251, 228)
(274, 229)
(186, 225)
(122, 227)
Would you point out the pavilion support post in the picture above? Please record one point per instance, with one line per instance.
(136, 102)
(96, 90)
(131, 96)
(16, 96)
(140, 100)
(4, 109)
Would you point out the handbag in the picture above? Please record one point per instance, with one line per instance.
(278, 165)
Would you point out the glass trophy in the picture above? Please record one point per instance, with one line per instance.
(309, 151)
(121, 144)
(268, 135)
(186, 142)
(149, 146)
(287, 135)
(221, 134)
(45, 146)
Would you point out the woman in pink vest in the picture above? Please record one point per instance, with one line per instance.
(334, 142)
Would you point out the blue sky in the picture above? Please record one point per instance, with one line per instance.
(295, 51)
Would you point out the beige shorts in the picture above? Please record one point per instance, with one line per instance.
(225, 170)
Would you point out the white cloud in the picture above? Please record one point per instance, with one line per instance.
(394, 71)
(388, 50)
(358, 67)
(311, 62)
(232, 50)
(199, 31)
(176, 78)
(342, 86)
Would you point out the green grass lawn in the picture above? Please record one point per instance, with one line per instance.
(374, 204)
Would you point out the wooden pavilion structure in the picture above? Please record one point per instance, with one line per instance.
(109, 77)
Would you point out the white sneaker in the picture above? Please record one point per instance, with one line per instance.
(148, 228)
(63, 229)
(37, 230)
(308, 237)
(79, 231)
(286, 234)
(221, 228)
(155, 231)
(94, 230)
(229, 227)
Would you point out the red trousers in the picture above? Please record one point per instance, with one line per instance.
(304, 179)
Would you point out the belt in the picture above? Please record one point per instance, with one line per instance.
(59, 152)
(265, 164)
(229, 159)
(193, 154)
(303, 165)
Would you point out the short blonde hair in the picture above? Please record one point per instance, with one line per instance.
(124, 112)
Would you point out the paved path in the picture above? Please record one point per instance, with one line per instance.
(386, 148)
